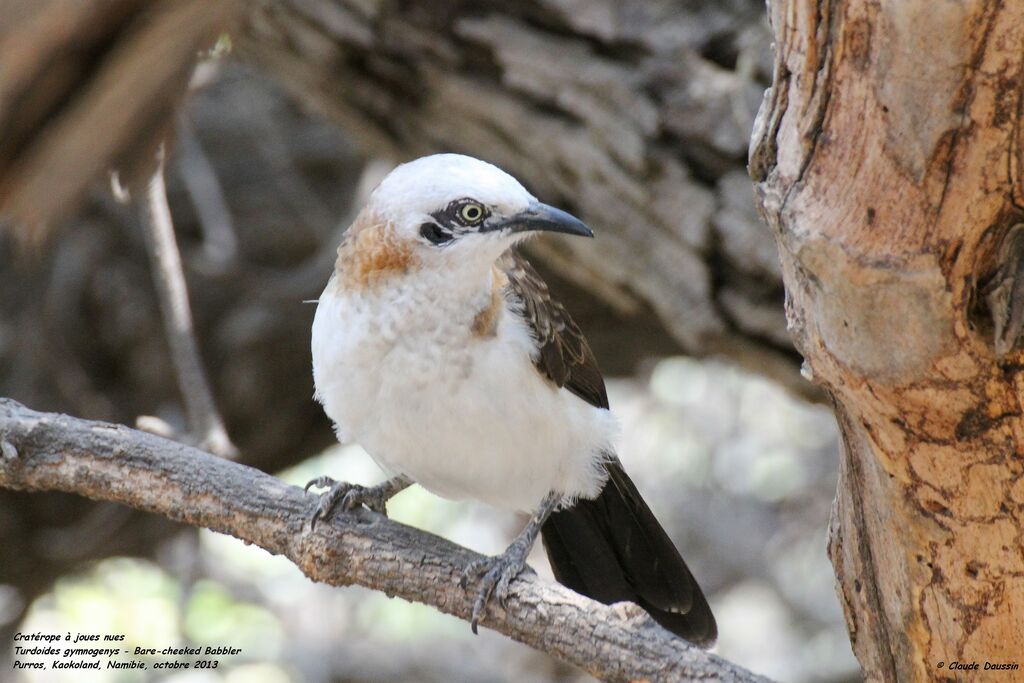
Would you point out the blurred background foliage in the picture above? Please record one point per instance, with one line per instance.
(680, 296)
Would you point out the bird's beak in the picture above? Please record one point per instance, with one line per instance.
(539, 217)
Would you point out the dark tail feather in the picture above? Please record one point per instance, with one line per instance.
(612, 549)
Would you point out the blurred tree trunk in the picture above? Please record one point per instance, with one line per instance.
(888, 158)
(634, 115)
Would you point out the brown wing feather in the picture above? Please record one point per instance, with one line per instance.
(564, 357)
(611, 547)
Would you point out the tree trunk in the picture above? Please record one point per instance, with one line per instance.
(887, 159)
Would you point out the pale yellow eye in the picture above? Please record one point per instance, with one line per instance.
(471, 213)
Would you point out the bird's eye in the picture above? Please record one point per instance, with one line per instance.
(471, 213)
(434, 233)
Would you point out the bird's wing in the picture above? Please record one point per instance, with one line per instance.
(611, 547)
(564, 355)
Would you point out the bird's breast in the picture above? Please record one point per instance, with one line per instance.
(466, 415)
(378, 352)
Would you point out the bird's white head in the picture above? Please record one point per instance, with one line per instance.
(450, 210)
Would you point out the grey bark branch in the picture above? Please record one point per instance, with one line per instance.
(205, 425)
(104, 461)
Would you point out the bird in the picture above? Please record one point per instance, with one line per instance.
(438, 348)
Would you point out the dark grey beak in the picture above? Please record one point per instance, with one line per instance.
(539, 217)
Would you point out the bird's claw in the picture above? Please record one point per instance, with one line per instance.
(495, 575)
(350, 496)
(319, 482)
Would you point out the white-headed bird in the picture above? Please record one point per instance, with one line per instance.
(439, 349)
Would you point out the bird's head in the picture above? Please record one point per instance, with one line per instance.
(450, 209)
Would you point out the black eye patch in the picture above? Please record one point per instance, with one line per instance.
(434, 233)
(461, 214)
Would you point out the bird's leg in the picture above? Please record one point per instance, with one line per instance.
(497, 572)
(352, 496)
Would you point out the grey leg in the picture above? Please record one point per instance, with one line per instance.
(496, 573)
(352, 496)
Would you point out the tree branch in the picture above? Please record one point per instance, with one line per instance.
(103, 461)
(204, 422)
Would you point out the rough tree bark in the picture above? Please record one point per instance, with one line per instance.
(41, 451)
(887, 157)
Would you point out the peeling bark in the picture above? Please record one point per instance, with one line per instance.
(887, 160)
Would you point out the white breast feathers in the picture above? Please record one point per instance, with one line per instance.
(450, 398)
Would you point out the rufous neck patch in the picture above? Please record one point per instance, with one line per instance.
(485, 323)
(371, 253)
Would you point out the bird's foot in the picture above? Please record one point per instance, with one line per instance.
(495, 574)
(350, 496)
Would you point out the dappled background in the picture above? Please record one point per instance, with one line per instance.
(633, 115)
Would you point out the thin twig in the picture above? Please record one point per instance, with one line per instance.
(103, 461)
(220, 245)
(205, 425)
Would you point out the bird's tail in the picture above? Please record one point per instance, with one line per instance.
(612, 549)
